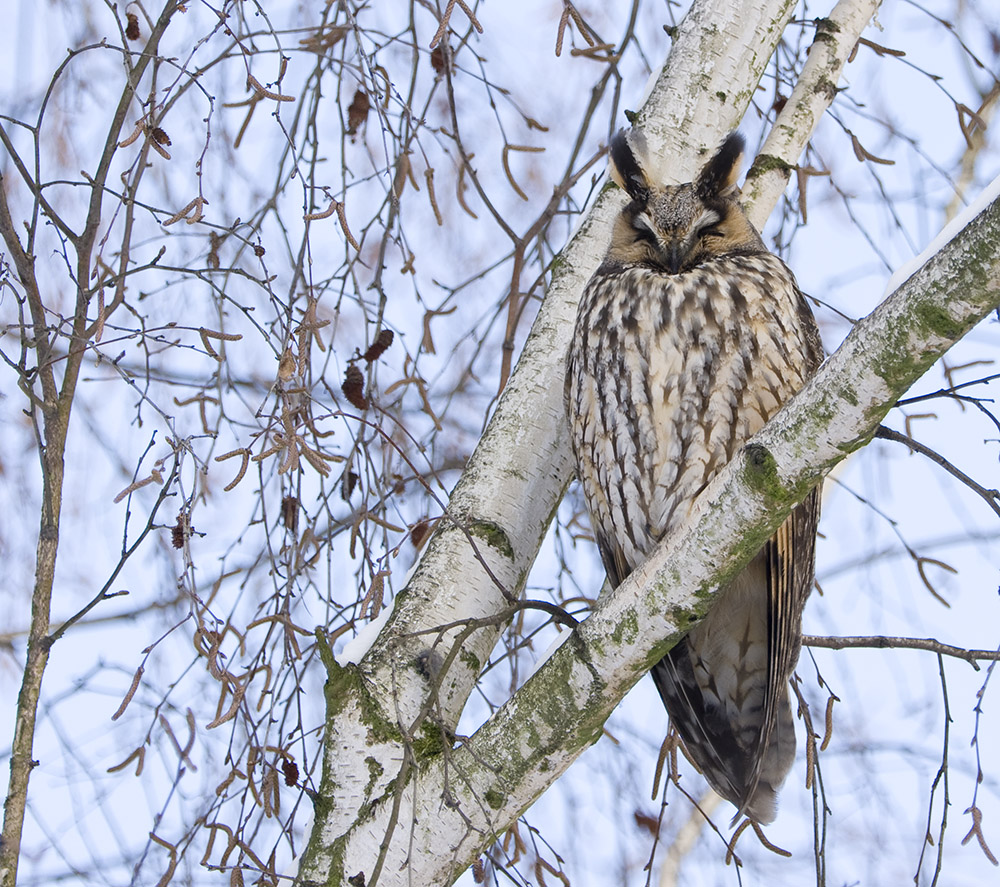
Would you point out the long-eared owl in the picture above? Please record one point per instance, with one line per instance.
(689, 337)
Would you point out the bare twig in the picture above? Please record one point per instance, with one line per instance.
(991, 497)
(883, 642)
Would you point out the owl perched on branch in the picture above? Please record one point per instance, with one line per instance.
(689, 337)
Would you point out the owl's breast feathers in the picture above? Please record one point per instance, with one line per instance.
(668, 376)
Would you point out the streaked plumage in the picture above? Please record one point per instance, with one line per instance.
(688, 338)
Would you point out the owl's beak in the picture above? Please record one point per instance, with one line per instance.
(674, 255)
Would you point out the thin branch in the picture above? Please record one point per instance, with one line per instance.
(884, 642)
(104, 594)
(940, 779)
(56, 413)
(944, 392)
(991, 497)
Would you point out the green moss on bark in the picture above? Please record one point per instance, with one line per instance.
(627, 630)
(935, 320)
(760, 470)
(429, 742)
(494, 535)
(345, 685)
(471, 660)
(375, 771)
(765, 163)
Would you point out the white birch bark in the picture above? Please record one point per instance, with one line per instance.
(836, 37)
(377, 734)
(455, 804)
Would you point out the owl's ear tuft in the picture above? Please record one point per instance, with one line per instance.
(718, 178)
(626, 170)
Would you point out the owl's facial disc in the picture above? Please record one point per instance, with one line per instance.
(676, 247)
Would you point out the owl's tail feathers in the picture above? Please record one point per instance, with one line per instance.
(770, 766)
(741, 762)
